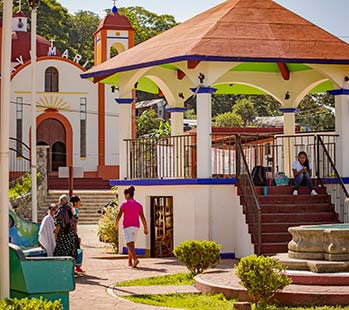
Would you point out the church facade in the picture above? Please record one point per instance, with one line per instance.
(76, 119)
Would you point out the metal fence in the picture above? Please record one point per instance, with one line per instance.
(19, 158)
(157, 158)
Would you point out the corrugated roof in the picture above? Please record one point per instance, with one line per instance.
(235, 30)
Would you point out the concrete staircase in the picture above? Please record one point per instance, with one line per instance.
(280, 210)
(91, 201)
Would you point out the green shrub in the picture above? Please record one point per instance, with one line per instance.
(262, 277)
(22, 186)
(198, 255)
(106, 225)
(30, 304)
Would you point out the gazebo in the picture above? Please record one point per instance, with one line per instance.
(237, 47)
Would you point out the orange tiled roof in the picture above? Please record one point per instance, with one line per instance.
(235, 30)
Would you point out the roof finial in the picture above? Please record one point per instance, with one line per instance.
(19, 5)
(114, 9)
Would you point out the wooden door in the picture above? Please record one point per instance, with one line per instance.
(161, 226)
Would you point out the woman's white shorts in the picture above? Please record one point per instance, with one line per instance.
(130, 234)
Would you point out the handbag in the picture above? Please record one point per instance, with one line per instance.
(281, 179)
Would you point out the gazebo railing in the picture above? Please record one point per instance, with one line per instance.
(159, 158)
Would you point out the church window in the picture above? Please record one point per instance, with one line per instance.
(83, 118)
(51, 80)
(19, 123)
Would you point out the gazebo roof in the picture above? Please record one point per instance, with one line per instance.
(235, 30)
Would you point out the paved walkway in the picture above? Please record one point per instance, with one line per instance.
(103, 270)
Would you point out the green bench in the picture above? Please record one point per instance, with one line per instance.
(33, 277)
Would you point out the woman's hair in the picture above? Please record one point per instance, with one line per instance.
(52, 206)
(130, 191)
(306, 163)
(74, 199)
(63, 199)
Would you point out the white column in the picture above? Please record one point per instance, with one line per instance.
(4, 148)
(177, 123)
(125, 132)
(342, 129)
(288, 143)
(33, 106)
(204, 115)
(179, 143)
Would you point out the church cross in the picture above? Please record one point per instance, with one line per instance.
(114, 2)
(19, 5)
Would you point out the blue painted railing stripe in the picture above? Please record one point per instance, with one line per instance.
(157, 182)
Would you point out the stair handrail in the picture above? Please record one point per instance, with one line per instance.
(250, 200)
(337, 177)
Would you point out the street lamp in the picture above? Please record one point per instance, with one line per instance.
(34, 4)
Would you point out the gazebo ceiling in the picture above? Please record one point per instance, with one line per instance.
(255, 31)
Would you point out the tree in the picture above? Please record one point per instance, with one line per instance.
(317, 112)
(53, 23)
(147, 24)
(228, 119)
(82, 26)
(148, 124)
(245, 108)
(222, 103)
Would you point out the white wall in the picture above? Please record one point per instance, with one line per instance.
(111, 127)
(209, 212)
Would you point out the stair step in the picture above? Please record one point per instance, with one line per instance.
(91, 201)
(298, 217)
(283, 227)
(274, 248)
(288, 190)
(293, 208)
(287, 199)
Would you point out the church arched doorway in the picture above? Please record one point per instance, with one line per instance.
(52, 132)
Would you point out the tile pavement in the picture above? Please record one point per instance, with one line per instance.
(103, 270)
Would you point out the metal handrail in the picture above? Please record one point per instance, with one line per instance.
(249, 195)
(330, 177)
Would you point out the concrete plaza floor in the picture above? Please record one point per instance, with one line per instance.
(103, 270)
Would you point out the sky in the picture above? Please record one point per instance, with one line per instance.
(332, 15)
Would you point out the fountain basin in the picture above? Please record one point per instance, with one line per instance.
(320, 242)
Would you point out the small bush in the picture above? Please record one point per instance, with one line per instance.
(22, 186)
(198, 255)
(30, 304)
(106, 225)
(262, 277)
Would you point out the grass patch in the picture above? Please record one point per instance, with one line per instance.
(207, 302)
(186, 301)
(171, 279)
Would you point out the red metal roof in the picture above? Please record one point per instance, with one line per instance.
(21, 45)
(235, 30)
(115, 21)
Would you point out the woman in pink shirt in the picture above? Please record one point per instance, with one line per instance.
(132, 211)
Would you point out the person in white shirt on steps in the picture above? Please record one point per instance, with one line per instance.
(302, 170)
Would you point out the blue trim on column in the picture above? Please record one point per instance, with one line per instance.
(337, 92)
(124, 100)
(137, 250)
(164, 182)
(174, 110)
(289, 110)
(204, 90)
(227, 255)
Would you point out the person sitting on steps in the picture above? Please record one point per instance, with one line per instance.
(302, 171)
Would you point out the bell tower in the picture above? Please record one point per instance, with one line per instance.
(113, 36)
